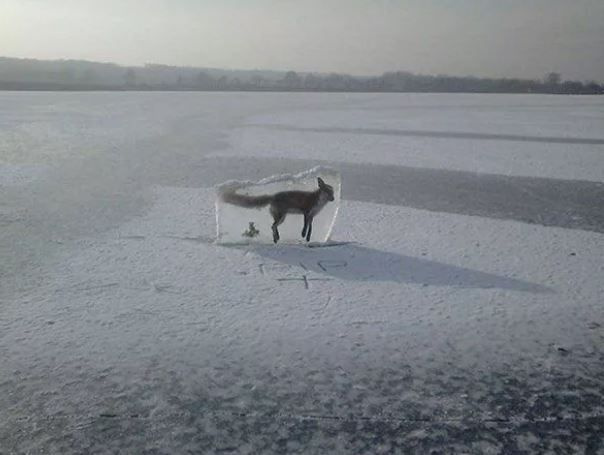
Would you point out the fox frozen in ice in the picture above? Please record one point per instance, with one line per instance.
(307, 203)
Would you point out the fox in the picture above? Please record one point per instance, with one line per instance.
(307, 203)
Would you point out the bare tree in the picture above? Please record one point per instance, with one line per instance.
(553, 78)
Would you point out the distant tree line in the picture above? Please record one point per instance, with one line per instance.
(27, 74)
(409, 82)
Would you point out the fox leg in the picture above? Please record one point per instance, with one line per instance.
(278, 218)
(305, 225)
(309, 228)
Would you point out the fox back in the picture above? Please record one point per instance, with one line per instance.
(308, 202)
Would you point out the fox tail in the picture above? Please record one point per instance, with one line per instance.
(242, 200)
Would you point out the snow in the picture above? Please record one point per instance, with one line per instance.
(17, 175)
(125, 326)
(251, 225)
(441, 132)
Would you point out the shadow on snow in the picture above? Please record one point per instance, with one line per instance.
(353, 262)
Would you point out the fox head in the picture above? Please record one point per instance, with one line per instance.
(326, 189)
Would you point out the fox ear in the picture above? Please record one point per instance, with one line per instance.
(321, 182)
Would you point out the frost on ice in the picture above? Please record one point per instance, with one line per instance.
(247, 211)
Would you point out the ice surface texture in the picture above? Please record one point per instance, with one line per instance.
(236, 224)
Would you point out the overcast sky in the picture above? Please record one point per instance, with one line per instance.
(525, 38)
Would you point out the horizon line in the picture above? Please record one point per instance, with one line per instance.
(284, 71)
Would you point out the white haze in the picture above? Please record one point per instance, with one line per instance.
(479, 37)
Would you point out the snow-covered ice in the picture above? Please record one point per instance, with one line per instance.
(497, 134)
(17, 175)
(125, 326)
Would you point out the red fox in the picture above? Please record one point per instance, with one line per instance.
(308, 203)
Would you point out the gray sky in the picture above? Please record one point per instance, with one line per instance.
(525, 38)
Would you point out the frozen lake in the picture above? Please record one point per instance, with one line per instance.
(462, 312)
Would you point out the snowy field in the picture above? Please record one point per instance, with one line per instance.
(458, 310)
